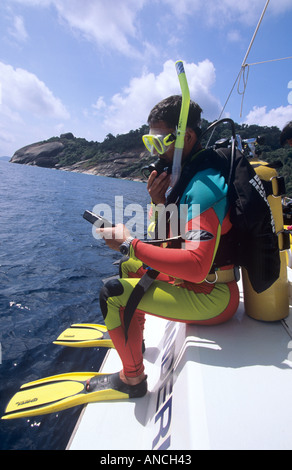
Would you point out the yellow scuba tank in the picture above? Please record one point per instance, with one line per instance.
(273, 303)
(289, 251)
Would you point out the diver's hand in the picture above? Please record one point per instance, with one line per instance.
(114, 236)
(157, 186)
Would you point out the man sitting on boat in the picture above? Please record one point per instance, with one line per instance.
(187, 289)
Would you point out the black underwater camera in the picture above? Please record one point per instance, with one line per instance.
(160, 165)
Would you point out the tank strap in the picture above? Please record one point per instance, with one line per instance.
(222, 276)
(284, 239)
(275, 187)
(136, 295)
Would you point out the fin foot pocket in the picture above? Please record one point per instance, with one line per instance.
(113, 381)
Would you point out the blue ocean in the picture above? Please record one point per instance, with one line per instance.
(51, 272)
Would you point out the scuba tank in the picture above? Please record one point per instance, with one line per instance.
(273, 303)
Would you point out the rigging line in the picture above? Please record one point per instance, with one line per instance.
(245, 78)
(231, 91)
(225, 104)
(244, 81)
(255, 33)
(244, 64)
(242, 67)
(267, 61)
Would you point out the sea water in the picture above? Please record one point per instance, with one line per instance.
(51, 272)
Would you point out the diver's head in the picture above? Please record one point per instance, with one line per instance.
(163, 120)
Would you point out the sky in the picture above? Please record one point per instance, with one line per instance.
(94, 67)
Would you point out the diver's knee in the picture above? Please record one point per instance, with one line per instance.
(112, 288)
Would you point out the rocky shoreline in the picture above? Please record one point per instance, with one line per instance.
(54, 154)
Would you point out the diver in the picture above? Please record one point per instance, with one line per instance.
(187, 289)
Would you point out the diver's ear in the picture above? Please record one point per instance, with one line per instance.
(190, 139)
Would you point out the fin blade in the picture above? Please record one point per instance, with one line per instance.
(85, 335)
(57, 393)
(73, 376)
(99, 343)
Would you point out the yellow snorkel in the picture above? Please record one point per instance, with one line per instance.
(182, 123)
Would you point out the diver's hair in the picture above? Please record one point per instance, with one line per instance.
(168, 111)
(286, 133)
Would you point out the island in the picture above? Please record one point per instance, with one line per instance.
(124, 155)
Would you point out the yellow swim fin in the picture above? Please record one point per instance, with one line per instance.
(60, 392)
(85, 335)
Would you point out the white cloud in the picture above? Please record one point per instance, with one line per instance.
(234, 36)
(110, 24)
(184, 8)
(18, 30)
(129, 109)
(274, 117)
(100, 104)
(103, 22)
(24, 91)
(27, 108)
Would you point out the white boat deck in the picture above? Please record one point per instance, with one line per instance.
(219, 387)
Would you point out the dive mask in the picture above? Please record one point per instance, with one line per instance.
(158, 142)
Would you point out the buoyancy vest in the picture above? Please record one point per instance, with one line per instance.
(252, 242)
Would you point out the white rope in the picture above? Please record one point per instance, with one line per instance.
(244, 80)
(244, 77)
(241, 72)
(255, 33)
(271, 60)
(244, 65)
